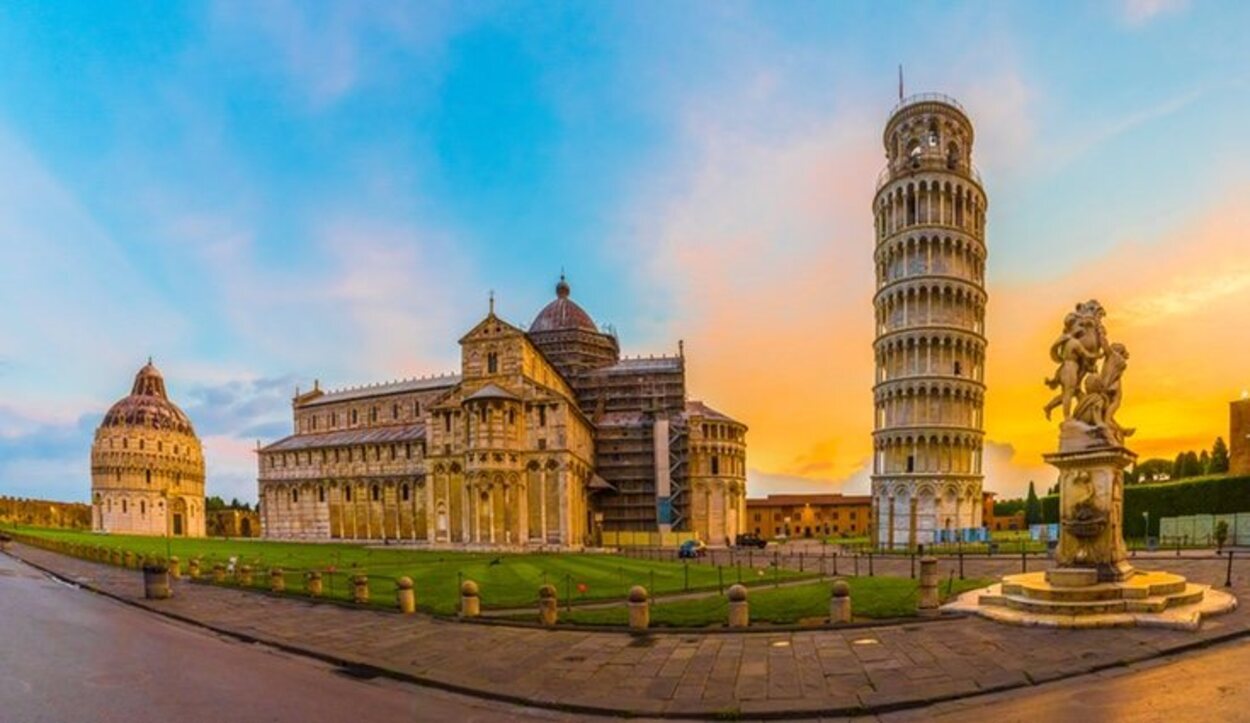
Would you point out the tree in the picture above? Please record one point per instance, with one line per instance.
(1219, 457)
(1032, 507)
(1204, 461)
(1178, 467)
(214, 503)
(1221, 533)
(1193, 468)
(1007, 508)
(1154, 470)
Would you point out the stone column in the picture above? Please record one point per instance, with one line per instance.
(1091, 509)
(840, 603)
(470, 602)
(739, 612)
(929, 599)
(639, 608)
(548, 605)
(542, 503)
(405, 596)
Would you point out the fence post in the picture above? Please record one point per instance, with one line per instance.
(1024, 561)
(739, 613)
(720, 579)
(1228, 579)
(685, 571)
(870, 563)
(961, 564)
(835, 563)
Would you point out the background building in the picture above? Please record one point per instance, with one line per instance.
(545, 437)
(1239, 437)
(930, 301)
(147, 466)
(44, 513)
(806, 516)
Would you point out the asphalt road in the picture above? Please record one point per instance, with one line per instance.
(69, 655)
(1206, 685)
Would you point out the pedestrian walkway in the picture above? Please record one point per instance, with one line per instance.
(799, 673)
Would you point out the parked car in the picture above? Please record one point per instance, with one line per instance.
(691, 549)
(750, 540)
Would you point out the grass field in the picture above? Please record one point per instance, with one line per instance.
(505, 579)
(871, 597)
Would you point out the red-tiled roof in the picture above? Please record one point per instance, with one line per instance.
(798, 499)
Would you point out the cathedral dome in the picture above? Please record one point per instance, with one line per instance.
(148, 406)
(563, 314)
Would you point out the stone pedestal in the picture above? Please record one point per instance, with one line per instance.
(639, 608)
(840, 603)
(360, 589)
(1091, 506)
(313, 584)
(929, 598)
(470, 600)
(548, 605)
(405, 596)
(277, 580)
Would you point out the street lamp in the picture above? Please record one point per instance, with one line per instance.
(1146, 514)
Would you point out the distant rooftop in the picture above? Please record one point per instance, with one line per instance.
(375, 390)
(799, 499)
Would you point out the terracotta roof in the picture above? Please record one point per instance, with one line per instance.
(348, 437)
(377, 390)
(563, 313)
(816, 499)
(699, 409)
(491, 391)
(148, 406)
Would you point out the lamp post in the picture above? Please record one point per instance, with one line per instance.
(1146, 515)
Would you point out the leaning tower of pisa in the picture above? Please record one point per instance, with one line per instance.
(930, 331)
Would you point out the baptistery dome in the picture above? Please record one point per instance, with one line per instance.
(147, 465)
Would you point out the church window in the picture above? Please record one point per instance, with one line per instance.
(511, 416)
(447, 422)
(958, 369)
(141, 444)
(294, 495)
(406, 492)
(911, 463)
(125, 443)
(393, 453)
(416, 410)
(336, 454)
(542, 443)
(492, 363)
(373, 414)
(347, 494)
(124, 505)
(715, 465)
(160, 446)
(148, 476)
(334, 419)
(377, 493)
(394, 411)
(143, 507)
(321, 494)
(355, 417)
(542, 415)
(408, 451)
(314, 422)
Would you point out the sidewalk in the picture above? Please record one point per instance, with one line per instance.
(807, 673)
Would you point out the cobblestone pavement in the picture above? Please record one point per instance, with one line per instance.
(810, 672)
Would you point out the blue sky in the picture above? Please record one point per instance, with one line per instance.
(259, 194)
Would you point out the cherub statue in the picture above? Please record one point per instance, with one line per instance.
(1076, 351)
(1113, 366)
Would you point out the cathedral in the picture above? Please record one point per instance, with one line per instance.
(546, 437)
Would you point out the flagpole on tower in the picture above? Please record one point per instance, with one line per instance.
(900, 81)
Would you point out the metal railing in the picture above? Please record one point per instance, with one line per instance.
(918, 98)
(928, 163)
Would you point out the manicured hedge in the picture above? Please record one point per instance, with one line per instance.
(1194, 496)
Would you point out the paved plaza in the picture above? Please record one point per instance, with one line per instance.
(803, 672)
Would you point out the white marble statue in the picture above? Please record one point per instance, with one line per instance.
(1088, 377)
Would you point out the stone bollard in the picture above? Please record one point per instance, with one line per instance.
(312, 583)
(115, 557)
(470, 601)
(130, 559)
(840, 603)
(739, 612)
(4, 543)
(929, 600)
(193, 568)
(360, 589)
(219, 573)
(277, 581)
(548, 605)
(405, 596)
(175, 568)
(245, 575)
(156, 582)
(639, 608)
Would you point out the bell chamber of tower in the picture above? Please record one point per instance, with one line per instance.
(929, 395)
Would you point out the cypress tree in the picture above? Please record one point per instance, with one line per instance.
(1219, 457)
(1032, 507)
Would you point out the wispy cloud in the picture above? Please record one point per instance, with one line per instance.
(1142, 12)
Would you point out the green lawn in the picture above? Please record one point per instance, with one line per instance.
(505, 579)
(871, 597)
